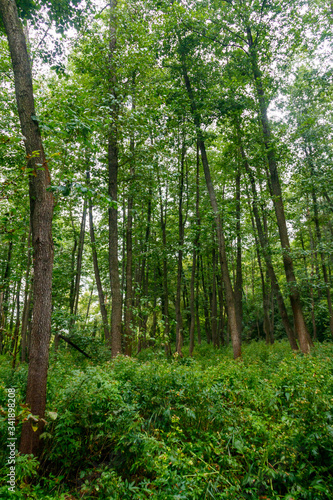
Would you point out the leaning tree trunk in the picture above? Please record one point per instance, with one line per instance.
(295, 300)
(79, 262)
(267, 255)
(100, 292)
(41, 212)
(230, 299)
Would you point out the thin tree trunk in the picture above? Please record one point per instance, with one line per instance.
(89, 302)
(221, 304)
(319, 244)
(163, 213)
(197, 243)
(100, 292)
(79, 261)
(310, 288)
(265, 249)
(215, 336)
(5, 295)
(128, 332)
(230, 299)
(192, 301)
(17, 325)
(26, 304)
(179, 319)
(116, 314)
(239, 277)
(300, 326)
(205, 304)
(73, 273)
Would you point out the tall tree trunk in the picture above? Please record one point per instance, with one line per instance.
(128, 333)
(230, 299)
(5, 294)
(310, 288)
(208, 330)
(116, 314)
(295, 300)
(239, 277)
(192, 301)
(41, 212)
(263, 239)
(215, 336)
(143, 279)
(128, 330)
(26, 303)
(79, 261)
(73, 272)
(319, 244)
(163, 213)
(179, 319)
(221, 323)
(100, 292)
(17, 324)
(197, 244)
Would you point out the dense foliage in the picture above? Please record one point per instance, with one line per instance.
(207, 427)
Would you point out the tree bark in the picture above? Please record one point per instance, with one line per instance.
(41, 212)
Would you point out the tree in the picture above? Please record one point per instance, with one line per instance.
(41, 211)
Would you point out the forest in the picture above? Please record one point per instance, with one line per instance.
(166, 229)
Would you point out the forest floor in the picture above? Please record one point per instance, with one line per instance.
(199, 428)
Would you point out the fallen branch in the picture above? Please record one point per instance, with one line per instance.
(74, 345)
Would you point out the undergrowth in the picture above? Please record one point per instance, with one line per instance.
(199, 428)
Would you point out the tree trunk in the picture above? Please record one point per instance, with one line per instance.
(192, 302)
(239, 277)
(300, 326)
(100, 292)
(310, 289)
(73, 272)
(128, 333)
(179, 319)
(26, 304)
(5, 295)
(208, 330)
(163, 212)
(265, 248)
(230, 299)
(319, 245)
(116, 314)
(41, 212)
(79, 261)
(17, 325)
(215, 336)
